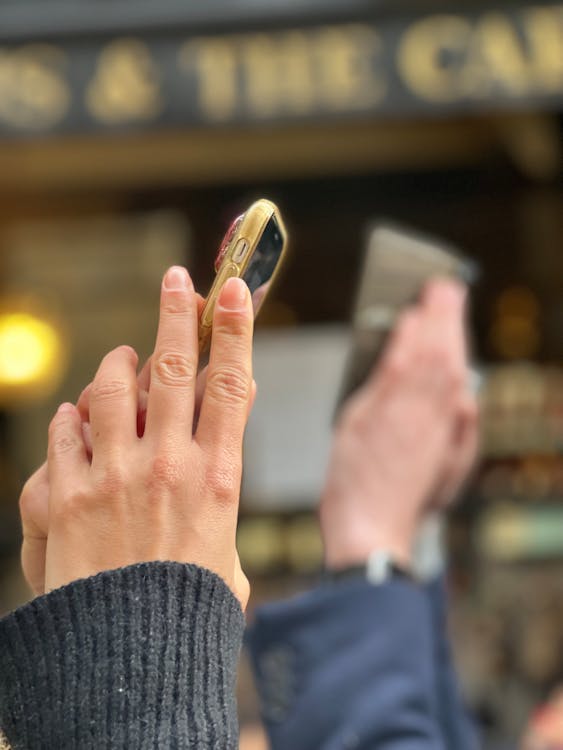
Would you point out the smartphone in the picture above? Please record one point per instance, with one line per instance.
(397, 264)
(252, 249)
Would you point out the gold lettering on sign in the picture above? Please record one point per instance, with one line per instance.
(495, 57)
(446, 58)
(215, 65)
(544, 29)
(346, 75)
(125, 86)
(294, 72)
(33, 92)
(278, 75)
(428, 56)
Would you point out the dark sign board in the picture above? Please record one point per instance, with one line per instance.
(432, 63)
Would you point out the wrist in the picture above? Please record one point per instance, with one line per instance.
(343, 550)
(381, 567)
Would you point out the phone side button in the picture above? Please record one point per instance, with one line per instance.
(241, 248)
(225, 273)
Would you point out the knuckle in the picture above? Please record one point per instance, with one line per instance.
(167, 472)
(107, 389)
(64, 444)
(174, 369)
(61, 442)
(177, 303)
(232, 323)
(230, 384)
(222, 483)
(112, 480)
(70, 505)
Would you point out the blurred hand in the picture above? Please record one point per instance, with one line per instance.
(194, 476)
(545, 727)
(405, 441)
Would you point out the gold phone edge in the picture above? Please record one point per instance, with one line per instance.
(255, 220)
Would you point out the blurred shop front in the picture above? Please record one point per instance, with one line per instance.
(132, 132)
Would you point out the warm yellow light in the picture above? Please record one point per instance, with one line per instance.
(30, 350)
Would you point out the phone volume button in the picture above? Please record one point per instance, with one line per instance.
(241, 248)
(226, 272)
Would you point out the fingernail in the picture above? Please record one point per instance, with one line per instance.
(233, 294)
(177, 278)
(65, 408)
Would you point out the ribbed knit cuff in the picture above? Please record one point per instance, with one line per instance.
(140, 657)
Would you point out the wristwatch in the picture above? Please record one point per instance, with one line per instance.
(379, 568)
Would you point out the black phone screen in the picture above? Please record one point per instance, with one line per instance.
(259, 272)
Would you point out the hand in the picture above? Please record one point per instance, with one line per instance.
(461, 453)
(103, 514)
(34, 499)
(404, 439)
(34, 511)
(143, 386)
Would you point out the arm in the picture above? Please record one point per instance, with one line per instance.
(130, 529)
(458, 730)
(143, 656)
(369, 659)
(348, 665)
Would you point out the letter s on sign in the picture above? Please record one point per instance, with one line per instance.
(34, 94)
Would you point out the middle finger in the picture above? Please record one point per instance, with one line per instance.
(170, 406)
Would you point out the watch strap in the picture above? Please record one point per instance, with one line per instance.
(379, 568)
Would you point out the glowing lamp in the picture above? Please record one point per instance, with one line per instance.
(31, 355)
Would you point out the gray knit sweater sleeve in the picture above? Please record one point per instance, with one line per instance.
(140, 657)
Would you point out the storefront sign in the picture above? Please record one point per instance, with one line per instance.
(429, 64)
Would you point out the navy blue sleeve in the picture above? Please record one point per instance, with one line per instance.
(458, 729)
(348, 666)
